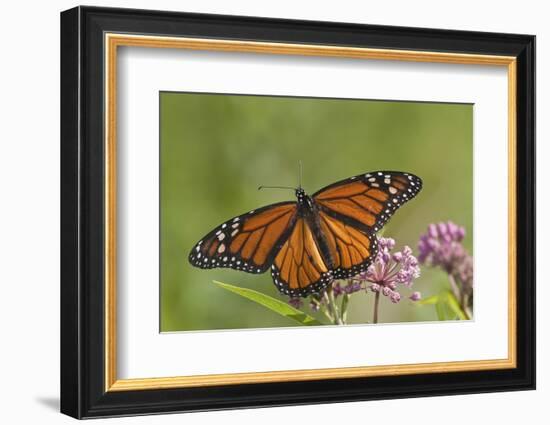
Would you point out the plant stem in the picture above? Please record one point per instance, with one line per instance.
(328, 314)
(376, 303)
(331, 302)
(336, 309)
(328, 309)
(462, 300)
(454, 286)
(323, 310)
(344, 307)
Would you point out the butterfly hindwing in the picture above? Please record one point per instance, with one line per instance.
(248, 242)
(352, 248)
(299, 268)
(368, 200)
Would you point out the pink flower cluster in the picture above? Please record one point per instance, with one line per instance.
(442, 247)
(389, 271)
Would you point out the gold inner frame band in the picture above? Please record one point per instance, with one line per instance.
(113, 41)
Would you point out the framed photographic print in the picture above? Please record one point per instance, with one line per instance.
(261, 212)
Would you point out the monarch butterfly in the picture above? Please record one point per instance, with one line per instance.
(310, 242)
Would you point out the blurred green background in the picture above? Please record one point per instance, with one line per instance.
(216, 150)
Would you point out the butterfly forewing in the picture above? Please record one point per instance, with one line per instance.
(368, 200)
(248, 242)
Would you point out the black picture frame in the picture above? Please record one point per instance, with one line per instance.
(83, 392)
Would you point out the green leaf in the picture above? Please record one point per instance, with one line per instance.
(440, 310)
(439, 302)
(453, 304)
(434, 299)
(446, 305)
(280, 307)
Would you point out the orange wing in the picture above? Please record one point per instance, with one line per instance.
(367, 201)
(248, 242)
(351, 211)
(299, 268)
(352, 250)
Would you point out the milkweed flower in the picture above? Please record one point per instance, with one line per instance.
(389, 271)
(387, 275)
(441, 246)
(348, 287)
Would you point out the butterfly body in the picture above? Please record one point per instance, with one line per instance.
(308, 209)
(314, 240)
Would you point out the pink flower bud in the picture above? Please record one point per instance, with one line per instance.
(415, 296)
(395, 297)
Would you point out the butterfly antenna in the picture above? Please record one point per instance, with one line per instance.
(276, 187)
(300, 175)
